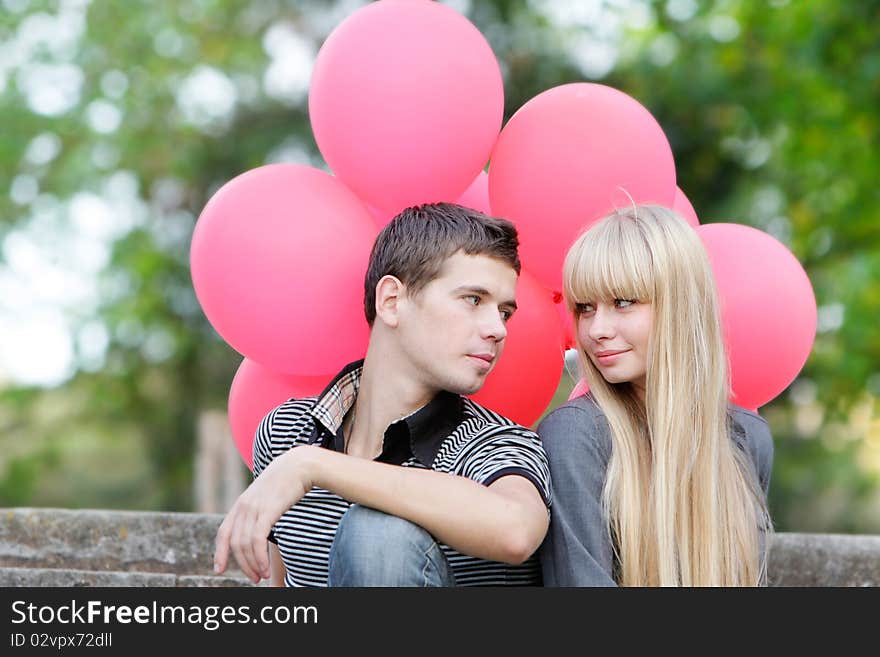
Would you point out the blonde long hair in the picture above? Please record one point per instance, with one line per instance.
(682, 501)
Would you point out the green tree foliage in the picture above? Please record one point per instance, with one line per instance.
(770, 107)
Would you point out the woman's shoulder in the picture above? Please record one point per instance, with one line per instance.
(583, 407)
(753, 433)
(579, 420)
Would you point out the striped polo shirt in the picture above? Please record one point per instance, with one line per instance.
(451, 434)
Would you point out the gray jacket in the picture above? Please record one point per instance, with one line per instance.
(577, 549)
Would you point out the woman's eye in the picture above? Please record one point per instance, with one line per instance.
(582, 308)
(624, 303)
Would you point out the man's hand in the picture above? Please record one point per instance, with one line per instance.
(246, 527)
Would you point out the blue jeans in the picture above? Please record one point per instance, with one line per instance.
(372, 548)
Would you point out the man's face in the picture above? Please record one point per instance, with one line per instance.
(453, 331)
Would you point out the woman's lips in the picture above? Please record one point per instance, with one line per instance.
(609, 357)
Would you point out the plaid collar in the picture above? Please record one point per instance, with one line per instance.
(338, 397)
(419, 434)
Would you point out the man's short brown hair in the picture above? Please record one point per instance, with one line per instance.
(416, 243)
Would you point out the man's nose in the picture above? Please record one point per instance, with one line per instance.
(493, 325)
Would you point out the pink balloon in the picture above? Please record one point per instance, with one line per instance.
(683, 206)
(381, 217)
(255, 391)
(767, 307)
(580, 388)
(527, 375)
(561, 160)
(406, 101)
(278, 259)
(566, 324)
(476, 196)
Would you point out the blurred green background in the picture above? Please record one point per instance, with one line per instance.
(120, 119)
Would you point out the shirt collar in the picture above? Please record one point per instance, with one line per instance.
(432, 424)
(338, 397)
(419, 434)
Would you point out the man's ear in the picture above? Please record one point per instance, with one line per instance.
(389, 293)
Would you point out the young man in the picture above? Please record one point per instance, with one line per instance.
(390, 477)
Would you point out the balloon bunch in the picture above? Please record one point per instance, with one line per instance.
(406, 104)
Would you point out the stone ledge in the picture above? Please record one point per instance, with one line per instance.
(824, 560)
(64, 577)
(181, 543)
(176, 549)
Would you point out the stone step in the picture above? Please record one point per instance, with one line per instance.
(64, 577)
(824, 560)
(87, 539)
(44, 545)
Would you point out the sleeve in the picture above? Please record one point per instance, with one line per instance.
(764, 459)
(758, 441)
(510, 453)
(262, 452)
(760, 445)
(262, 447)
(577, 550)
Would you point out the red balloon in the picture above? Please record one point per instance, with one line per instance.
(476, 196)
(255, 391)
(406, 101)
(683, 206)
(278, 259)
(527, 375)
(768, 310)
(569, 156)
(566, 325)
(381, 217)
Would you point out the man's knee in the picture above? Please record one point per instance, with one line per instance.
(372, 548)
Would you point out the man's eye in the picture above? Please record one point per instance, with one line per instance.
(624, 303)
(506, 314)
(473, 299)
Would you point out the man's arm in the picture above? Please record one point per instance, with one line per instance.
(505, 521)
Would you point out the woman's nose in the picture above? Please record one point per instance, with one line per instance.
(601, 324)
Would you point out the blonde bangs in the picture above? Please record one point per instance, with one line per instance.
(610, 261)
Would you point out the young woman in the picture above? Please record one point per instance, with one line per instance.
(657, 479)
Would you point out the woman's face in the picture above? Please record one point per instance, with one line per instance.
(614, 334)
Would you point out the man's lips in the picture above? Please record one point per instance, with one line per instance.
(482, 361)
